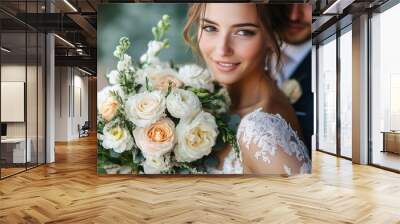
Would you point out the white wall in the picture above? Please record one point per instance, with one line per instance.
(69, 82)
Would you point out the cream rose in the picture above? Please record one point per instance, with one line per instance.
(196, 76)
(195, 138)
(160, 78)
(145, 108)
(156, 165)
(117, 138)
(107, 105)
(183, 104)
(109, 108)
(156, 139)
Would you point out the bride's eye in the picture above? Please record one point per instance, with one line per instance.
(209, 28)
(245, 33)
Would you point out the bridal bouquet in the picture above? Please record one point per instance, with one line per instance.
(158, 117)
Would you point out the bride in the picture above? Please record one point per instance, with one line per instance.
(233, 41)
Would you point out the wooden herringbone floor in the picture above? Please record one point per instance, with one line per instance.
(69, 191)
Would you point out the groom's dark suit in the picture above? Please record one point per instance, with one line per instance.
(304, 107)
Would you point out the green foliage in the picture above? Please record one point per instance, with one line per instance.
(228, 135)
(121, 49)
(160, 30)
(127, 82)
(210, 101)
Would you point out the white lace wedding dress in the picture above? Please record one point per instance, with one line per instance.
(270, 144)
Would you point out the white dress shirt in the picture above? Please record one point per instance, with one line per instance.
(291, 58)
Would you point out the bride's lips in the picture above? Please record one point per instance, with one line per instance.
(225, 66)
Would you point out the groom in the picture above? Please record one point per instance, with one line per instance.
(294, 25)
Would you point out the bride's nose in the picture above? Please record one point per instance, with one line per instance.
(223, 46)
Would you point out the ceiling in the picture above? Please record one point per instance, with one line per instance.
(76, 22)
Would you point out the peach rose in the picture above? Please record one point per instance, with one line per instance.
(156, 139)
(162, 82)
(109, 108)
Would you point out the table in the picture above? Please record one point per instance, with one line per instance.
(16, 147)
(391, 141)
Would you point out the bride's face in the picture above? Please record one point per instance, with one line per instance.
(231, 41)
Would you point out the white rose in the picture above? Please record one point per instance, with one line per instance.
(195, 138)
(145, 108)
(156, 165)
(117, 138)
(157, 139)
(113, 77)
(183, 104)
(125, 64)
(196, 76)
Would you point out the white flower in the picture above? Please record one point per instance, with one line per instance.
(196, 76)
(292, 89)
(153, 47)
(183, 104)
(125, 64)
(145, 108)
(156, 165)
(157, 139)
(150, 57)
(107, 104)
(195, 138)
(113, 77)
(153, 62)
(117, 138)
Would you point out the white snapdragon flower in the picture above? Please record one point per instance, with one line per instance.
(117, 138)
(195, 138)
(183, 104)
(145, 108)
(125, 64)
(153, 47)
(113, 77)
(196, 76)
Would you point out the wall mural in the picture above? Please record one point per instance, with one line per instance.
(197, 89)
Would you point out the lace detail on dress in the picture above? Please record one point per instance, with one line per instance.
(267, 132)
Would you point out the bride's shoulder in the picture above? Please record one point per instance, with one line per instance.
(261, 122)
(259, 125)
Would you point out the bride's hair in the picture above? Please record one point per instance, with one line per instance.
(264, 13)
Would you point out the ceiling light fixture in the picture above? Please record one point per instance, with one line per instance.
(337, 7)
(84, 71)
(70, 5)
(5, 50)
(65, 41)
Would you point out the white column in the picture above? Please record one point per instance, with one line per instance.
(50, 92)
(360, 90)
